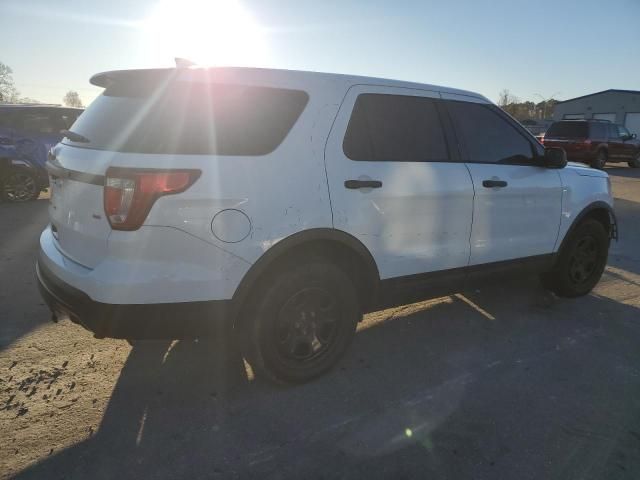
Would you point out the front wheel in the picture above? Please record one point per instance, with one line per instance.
(581, 261)
(635, 163)
(300, 323)
(20, 185)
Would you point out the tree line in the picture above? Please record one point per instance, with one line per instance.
(10, 94)
(526, 110)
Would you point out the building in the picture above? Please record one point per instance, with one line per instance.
(619, 106)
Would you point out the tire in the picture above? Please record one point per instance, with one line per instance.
(20, 185)
(635, 163)
(300, 322)
(581, 261)
(601, 159)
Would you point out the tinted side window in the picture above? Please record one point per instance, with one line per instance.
(395, 128)
(613, 131)
(487, 137)
(598, 130)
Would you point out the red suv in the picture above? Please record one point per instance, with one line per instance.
(594, 142)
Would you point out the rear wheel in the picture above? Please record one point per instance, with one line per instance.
(600, 161)
(635, 163)
(581, 261)
(300, 323)
(20, 185)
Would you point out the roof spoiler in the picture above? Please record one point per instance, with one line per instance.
(106, 79)
(184, 63)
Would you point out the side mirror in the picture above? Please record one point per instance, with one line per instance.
(633, 135)
(555, 157)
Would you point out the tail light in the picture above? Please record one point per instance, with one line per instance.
(130, 193)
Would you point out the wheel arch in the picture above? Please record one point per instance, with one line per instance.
(600, 211)
(334, 244)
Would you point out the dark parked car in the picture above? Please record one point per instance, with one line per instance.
(27, 132)
(594, 142)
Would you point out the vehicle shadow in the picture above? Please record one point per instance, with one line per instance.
(19, 239)
(623, 254)
(509, 382)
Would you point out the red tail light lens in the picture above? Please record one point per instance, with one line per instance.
(130, 193)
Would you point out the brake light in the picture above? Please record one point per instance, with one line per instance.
(130, 193)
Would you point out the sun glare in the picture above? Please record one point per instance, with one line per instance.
(208, 32)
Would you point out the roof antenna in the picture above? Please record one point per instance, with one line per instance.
(184, 63)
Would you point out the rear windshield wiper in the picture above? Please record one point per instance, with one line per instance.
(75, 137)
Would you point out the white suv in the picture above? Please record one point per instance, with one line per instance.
(286, 204)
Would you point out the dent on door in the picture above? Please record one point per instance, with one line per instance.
(518, 220)
(416, 218)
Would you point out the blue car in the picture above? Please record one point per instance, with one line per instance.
(27, 132)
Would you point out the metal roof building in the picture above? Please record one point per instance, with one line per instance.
(619, 106)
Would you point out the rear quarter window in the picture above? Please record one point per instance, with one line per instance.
(6, 119)
(36, 122)
(190, 119)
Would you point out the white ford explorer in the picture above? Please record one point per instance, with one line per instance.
(285, 204)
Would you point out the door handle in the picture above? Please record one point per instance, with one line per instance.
(494, 183)
(354, 184)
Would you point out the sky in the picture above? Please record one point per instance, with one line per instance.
(536, 49)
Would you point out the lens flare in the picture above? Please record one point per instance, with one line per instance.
(208, 32)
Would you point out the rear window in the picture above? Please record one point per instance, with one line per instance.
(190, 118)
(396, 128)
(568, 130)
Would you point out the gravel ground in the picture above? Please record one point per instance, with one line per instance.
(506, 382)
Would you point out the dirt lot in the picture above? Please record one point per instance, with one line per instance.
(505, 382)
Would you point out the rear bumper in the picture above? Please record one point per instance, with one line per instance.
(133, 321)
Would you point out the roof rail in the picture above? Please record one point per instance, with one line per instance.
(32, 104)
(585, 120)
